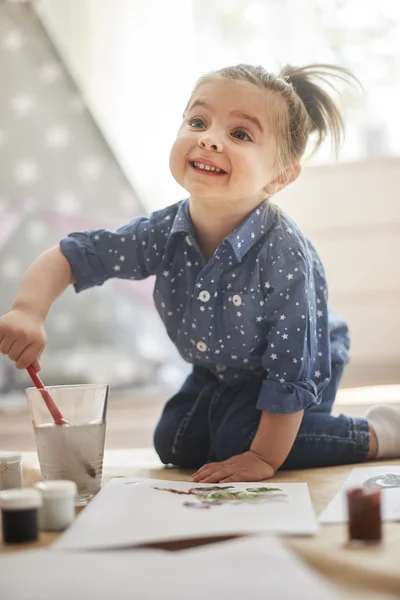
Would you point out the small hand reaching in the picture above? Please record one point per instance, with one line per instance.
(248, 466)
(22, 338)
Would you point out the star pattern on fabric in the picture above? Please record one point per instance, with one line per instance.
(22, 105)
(58, 136)
(251, 309)
(14, 40)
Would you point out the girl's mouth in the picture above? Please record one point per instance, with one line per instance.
(206, 169)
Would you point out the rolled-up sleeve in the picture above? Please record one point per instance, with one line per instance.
(297, 359)
(130, 252)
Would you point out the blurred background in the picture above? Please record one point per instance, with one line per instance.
(92, 93)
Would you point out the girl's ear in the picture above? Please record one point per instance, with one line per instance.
(283, 179)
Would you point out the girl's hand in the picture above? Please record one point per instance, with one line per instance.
(22, 338)
(248, 466)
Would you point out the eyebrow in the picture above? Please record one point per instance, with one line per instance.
(198, 103)
(250, 118)
(235, 113)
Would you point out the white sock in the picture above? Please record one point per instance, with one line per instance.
(385, 421)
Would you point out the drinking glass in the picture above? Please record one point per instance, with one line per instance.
(73, 451)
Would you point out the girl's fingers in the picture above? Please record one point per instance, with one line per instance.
(36, 363)
(15, 350)
(195, 475)
(214, 472)
(199, 476)
(6, 344)
(36, 366)
(204, 471)
(27, 356)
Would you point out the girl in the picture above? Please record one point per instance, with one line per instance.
(241, 291)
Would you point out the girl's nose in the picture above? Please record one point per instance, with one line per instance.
(210, 142)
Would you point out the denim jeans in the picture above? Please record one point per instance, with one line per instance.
(208, 421)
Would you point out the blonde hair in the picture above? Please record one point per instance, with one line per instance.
(307, 106)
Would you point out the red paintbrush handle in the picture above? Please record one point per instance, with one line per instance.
(55, 413)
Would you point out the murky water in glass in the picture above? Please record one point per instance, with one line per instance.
(73, 452)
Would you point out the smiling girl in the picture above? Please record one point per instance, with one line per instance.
(241, 291)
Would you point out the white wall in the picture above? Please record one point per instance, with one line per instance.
(126, 56)
(351, 211)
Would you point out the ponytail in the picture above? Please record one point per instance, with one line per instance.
(323, 112)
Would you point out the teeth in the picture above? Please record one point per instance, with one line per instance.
(206, 167)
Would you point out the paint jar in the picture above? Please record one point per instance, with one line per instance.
(364, 509)
(10, 470)
(19, 515)
(58, 504)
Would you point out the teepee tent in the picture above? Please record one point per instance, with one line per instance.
(57, 174)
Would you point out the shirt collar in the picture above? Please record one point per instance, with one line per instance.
(251, 230)
(242, 239)
(182, 221)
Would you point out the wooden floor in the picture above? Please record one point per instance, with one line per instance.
(130, 424)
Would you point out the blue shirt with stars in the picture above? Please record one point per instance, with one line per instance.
(258, 307)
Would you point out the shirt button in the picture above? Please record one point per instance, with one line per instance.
(202, 346)
(204, 296)
(236, 299)
(220, 368)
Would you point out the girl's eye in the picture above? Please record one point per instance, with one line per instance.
(241, 134)
(196, 123)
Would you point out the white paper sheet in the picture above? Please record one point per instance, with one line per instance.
(336, 511)
(256, 567)
(130, 511)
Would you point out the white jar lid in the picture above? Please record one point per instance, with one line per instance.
(20, 499)
(57, 488)
(6, 457)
